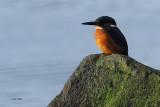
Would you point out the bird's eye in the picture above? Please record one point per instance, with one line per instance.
(99, 22)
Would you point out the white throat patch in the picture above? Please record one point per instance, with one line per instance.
(98, 27)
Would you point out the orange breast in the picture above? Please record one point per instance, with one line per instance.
(105, 42)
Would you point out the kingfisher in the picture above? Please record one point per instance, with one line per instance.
(108, 37)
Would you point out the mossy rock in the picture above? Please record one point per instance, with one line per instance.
(110, 81)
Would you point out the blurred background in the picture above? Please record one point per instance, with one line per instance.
(42, 42)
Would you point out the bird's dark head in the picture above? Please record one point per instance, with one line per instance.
(101, 21)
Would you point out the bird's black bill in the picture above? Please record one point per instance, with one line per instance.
(90, 23)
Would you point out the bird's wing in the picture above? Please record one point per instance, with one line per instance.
(118, 37)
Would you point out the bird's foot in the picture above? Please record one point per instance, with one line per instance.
(105, 54)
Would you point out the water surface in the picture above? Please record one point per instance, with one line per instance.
(42, 42)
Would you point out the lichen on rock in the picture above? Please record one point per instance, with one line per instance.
(110, 81)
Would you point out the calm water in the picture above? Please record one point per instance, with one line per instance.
(42, 42)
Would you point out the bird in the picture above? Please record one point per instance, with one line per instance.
(108, 36)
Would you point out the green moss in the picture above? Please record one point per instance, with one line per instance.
(124, 86)
(112, 81)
